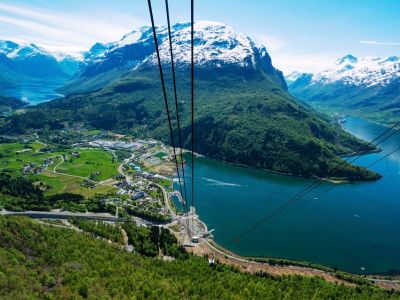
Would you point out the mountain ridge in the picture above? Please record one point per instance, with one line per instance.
(216, 46)
(369, 87)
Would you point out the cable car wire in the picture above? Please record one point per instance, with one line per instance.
(176, 101)
(164, 92)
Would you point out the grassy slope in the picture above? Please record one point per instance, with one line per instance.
(240, 118)
(38, 261)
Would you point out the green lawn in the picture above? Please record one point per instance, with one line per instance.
(90, 161)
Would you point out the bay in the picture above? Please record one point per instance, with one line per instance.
(355, 227)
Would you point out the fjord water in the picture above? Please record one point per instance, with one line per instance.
(354, 227)
(34, 93)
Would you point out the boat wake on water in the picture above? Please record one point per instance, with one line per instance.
(212, 182)
(219, 183)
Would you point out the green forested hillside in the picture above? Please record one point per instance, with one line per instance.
(244, 118)
(9, 104)
(38, 261)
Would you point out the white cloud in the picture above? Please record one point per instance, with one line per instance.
(289, 62)
(270, 42)
(372, 42)
(56, 31)
(307, 63)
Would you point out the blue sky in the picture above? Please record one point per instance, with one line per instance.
(304, 35)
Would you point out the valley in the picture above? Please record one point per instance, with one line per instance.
(108, 170)
(367, 87)
(272, 205)
(89, 177)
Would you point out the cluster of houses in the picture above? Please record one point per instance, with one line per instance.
(88, 183)
(34, 168)
(138, 191)
(75, 154)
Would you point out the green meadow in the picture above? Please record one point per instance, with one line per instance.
(90, 161)
(14, 156)
(68, 184)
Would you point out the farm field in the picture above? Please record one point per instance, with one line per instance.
(88, 162)
(68, 184)
(17, 155)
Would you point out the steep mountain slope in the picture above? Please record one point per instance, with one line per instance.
(218, 46)
(366, 86)
(8, 71)
(244, 113)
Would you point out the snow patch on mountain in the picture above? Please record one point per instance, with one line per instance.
(215, 44)
(366, 71)
(21, 50)
(294, 76)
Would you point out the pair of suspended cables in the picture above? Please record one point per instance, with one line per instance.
(177, 106)
(192, 94)
(165, 95)
(181, 180)
(176, 98)
(320, 181)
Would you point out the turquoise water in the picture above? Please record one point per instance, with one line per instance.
(34, 93)
(353, 226)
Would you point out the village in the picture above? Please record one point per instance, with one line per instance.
(129, 176)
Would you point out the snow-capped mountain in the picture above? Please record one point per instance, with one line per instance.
(21, 51)
(214, 43)
(29, 61)
(292, 77)
(217, 46)
(368, 71)
(365, 84)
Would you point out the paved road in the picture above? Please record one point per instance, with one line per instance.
(64, 215)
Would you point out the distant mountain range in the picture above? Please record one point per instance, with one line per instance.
(244, 113)
(20, 62)
(368, 86)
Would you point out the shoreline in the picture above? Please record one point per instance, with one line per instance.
(334, 180)
(279, 266)
(282, 266)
